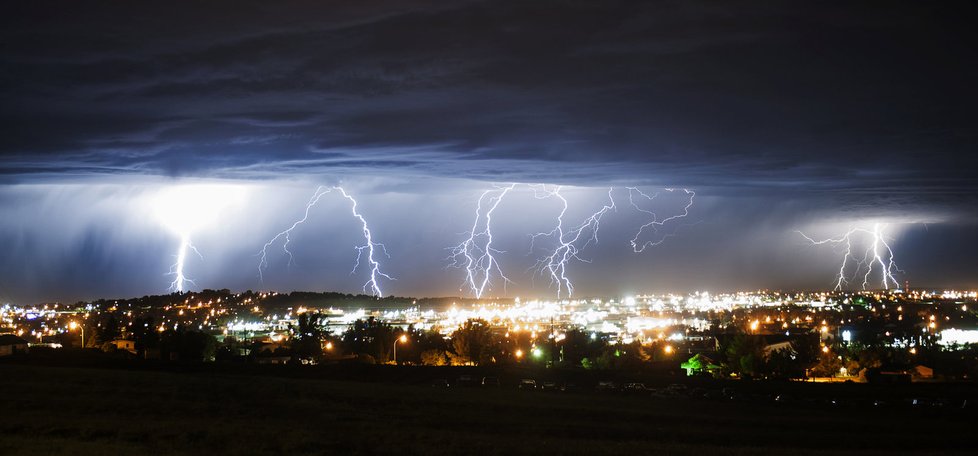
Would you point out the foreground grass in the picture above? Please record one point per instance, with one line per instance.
(79, 411)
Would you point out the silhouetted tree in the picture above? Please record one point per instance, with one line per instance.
(471, 342)
(308, 335)
(107, 329)
(188, 345)
(745, 355)
(145, 334)
(578, 345)
(434, 357)
(370, 337)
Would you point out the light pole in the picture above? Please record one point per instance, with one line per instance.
(402, 339)
(74, 325)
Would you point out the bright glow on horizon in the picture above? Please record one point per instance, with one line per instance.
(187, 209)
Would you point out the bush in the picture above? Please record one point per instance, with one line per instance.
(434, 358)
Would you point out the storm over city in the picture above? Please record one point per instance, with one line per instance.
(612, 198)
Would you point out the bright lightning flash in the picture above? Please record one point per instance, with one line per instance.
(569, 241)
(655, 224)
(368, 251)
(176, 269)
(187, 209)
(877, 254)
(476, 253)
(369, 247)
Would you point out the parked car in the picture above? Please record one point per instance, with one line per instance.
(466, 380)
(606, 386)
(549, 386)
(439, 383)
(528, 384)
(635, 387)
(678, 388)
(492, 382)
(569, 388)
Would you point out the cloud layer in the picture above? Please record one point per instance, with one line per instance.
(830, 97)
(781, 117)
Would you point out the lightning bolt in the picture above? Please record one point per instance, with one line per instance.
(287, 233)
(368, 250)
(176, 270)
(655, 224)
(475, 253)
(878, 253)
(569, 242)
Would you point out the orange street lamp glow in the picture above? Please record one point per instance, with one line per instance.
(402, 339)
(72, 326)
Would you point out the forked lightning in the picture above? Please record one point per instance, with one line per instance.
(877, 254)
(368, 251)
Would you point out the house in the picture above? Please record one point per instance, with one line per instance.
(700, 364)
(273, 359)
(11, 345)
(922, 372)
(126, 345)
(783, 345)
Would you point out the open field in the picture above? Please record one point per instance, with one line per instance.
(76, 411)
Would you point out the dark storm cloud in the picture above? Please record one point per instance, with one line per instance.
(873, 102)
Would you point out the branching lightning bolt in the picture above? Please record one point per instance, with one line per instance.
(176, 270)
(286, 234)
(569, 242)
(369, 249)
(878, 253)
(476, 253)
(655, 224)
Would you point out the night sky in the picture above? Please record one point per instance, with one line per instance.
(781, 117)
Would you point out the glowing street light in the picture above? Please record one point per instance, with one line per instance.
(402, 339)
(74, 325)
(519, 353)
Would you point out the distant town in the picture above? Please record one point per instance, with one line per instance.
(872, 336)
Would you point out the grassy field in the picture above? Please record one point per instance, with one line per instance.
(81, 411)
